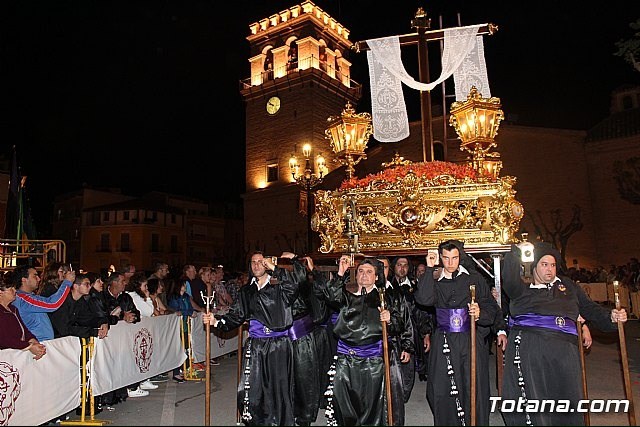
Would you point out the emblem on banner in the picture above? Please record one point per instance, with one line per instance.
(9, 391)
(143, 349)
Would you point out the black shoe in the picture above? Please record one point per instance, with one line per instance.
(178, 378)
(160, 378)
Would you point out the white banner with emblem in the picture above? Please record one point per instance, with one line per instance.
(133, 352)
(23, 381)
(221, 342)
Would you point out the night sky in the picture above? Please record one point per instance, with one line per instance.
(143, 95)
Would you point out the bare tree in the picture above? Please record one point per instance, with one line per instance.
(553, 229)
(629, 49)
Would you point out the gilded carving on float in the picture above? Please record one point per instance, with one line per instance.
(415, 206)
(418, 213)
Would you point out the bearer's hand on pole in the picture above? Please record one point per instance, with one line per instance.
(210, 319)
(426, 343)
(474, 310)
(385, 315)
(343, 264)
(431, 258)
(618, 315)
(308, 262)
(501, 341)
(586, 336)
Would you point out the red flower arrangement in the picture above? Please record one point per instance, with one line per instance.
(423, 170)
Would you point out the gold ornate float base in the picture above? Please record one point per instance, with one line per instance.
(414, 207)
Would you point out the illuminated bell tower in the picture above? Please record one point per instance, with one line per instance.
(300, 76)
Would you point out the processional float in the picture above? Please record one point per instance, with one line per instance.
(411, 207)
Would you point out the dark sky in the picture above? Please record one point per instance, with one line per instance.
(143, 95)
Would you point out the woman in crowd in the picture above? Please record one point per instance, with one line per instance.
(14, 333)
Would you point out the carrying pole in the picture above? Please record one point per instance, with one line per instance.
(625, 361)
(587, 418)
(385, 352)
(239, 369)
(472, 398)
(207, 369)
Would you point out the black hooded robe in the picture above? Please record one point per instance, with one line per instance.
(266, 388)
(453, 349)
(547, 360)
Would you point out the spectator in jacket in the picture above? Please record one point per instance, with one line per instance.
(75, 317)
(14, 333)
(34, 308)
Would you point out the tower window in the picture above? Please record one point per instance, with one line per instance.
(272, 172)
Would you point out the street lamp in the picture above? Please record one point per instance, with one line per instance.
(307, 180)
(348, 135)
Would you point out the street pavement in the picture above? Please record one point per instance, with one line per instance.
(184, 404)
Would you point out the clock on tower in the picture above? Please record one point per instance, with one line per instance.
(299, 76)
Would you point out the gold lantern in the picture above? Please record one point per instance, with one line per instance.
(476, 121)
(348, 135)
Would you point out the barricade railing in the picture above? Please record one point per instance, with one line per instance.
(82, 367)
(188, 371)
(86, 393)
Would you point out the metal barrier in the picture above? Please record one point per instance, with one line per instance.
(37, 253)
(86, 394)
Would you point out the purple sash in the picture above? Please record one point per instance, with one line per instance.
(301, 327)
(258, 330)
(453, 319)
(334, 317)
(365, 351)
(331, 319)
(556, 323)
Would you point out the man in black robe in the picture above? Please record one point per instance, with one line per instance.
(448, 290)
(357, 387)
(543, 358)
(266, 389)
(402, 344)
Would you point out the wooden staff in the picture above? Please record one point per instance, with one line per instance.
(623, 356)
(587, 417)
(207, 368)
(239, 373)
(472, 288)
(385, 353)
(499, 351)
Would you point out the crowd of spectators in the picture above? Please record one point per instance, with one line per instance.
(58, 301)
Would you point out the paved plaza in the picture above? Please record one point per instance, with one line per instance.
(183, 404)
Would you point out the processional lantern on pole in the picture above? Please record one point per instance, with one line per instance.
(348, 135)
(476, 121)
(527, 257)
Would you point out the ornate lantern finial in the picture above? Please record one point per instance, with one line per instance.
(476, 121)
(348, 135)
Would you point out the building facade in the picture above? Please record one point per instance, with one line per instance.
(103, 228)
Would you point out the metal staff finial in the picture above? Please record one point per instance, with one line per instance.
(208, 300)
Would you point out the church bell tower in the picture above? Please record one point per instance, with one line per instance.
(299, 76)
